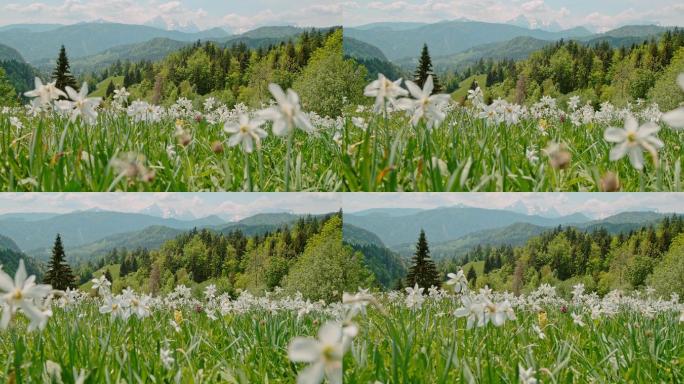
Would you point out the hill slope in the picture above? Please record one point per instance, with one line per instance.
(449, 37)
(86, 39)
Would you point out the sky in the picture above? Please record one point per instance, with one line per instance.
(598, 14)
(594, 205)
(243, 15)
(234, 15)
(230, 206)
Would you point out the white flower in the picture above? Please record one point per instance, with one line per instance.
(458, 281)
(80, 104)
(414, 297)
(45, 93)
(633, 140)
(121, 95)
(675, 118)
(101, 284)
(531, 155)
(287, 114)
(246, 132)
(577, 319)
(384, 91)
(681, 317)
(526, 375)
(166, 358)
(324, 355)
(538, 331)
(360, 123)
(476, 96)
(115, 307)
(473, 310)
(16, 123)
(425, 105)
(22, 293)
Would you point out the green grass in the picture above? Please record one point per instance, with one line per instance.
(47, 154)
(477, 156)
(464, 86)
(427, 345)
(113, 270)
(101, 88)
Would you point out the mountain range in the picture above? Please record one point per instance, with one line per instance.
(455, 45)
(89, 234)
(455, 230)
(86, 39)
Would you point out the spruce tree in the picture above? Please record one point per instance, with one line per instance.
(425, 69)
(110, 90)
(471, 276)
(62, 73)
(108, 275)
(59, 274)
(423, 271)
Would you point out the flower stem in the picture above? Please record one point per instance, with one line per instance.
(290, 138)
(248, 173)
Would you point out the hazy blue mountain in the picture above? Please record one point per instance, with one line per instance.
(7, 243)
(447, 223)
(28, 216)
(448, 37)
(633, 31)
(383, 262)
(10, 54)
(151, 238)
(280, 218)
(360, 50)
(389, 212)
(518, 233)
(86, 39)
(32, 27)
(389, 26)
(85, 227)
(518, 48)
(354, 235)
(273, 32)
(514, 234)
(152, 50)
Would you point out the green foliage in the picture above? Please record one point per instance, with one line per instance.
(667, 276)
(666, 92)
(62, 73)
(329, 82)
(423, 271)
(424, 70)
(564, 257)
(617, 73)
(59, 273)
(327, 268)
(8, 95)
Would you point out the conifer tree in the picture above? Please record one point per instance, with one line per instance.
(424, 70)
(108, 275)
(62, 73)
(59, 274)
(471, 276)
(423, 271)
(110, 90)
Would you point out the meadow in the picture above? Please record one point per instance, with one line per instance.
(413, 336)
(415, 141)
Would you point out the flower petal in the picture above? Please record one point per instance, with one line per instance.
(675, 118)
(304, 349)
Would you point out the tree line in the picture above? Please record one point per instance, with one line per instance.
(565, 256)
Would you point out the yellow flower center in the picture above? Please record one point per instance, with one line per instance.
(244, 129)
(17, 294)
(631, 137)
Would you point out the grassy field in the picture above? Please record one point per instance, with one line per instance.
(396, 337)
(542, 147)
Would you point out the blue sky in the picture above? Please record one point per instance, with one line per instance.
(232, 206)
(595, 205)
(242, 15)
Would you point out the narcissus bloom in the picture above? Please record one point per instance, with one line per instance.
(633, 140)
(324, 354)
(246, 132)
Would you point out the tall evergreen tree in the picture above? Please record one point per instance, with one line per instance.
(62, 73)
(59, 274)
(471, 276)
(8, 96)
(110, 89)
(423, 271)
(425, 69)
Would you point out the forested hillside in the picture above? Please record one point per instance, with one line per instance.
(596, 71)
(310, 248)
(566, 256)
